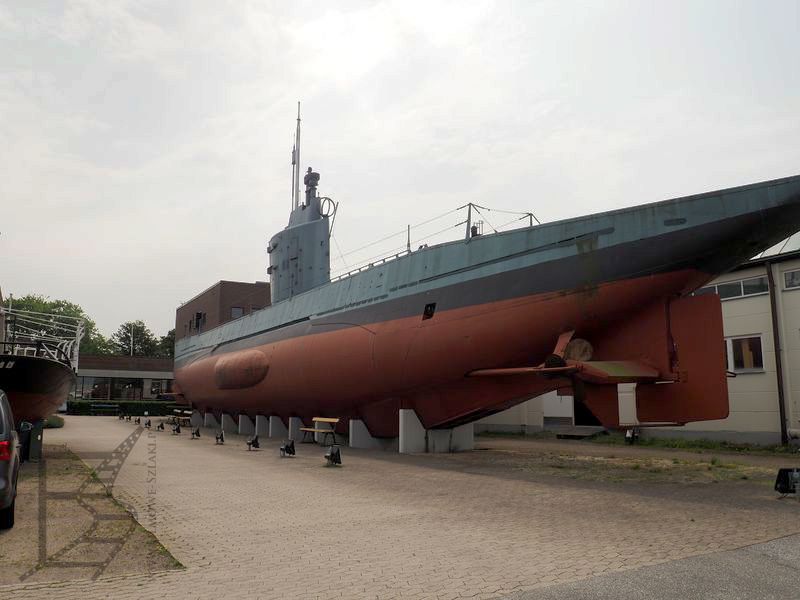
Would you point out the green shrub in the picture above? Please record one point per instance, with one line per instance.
(54, 422)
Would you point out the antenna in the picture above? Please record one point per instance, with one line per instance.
(296, 161)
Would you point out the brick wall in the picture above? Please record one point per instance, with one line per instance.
(215, 305)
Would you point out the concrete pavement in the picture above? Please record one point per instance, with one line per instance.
(769, 571)
(250, 524)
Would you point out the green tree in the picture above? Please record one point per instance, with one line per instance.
(166, 345)
(144, 342)
(93, 342)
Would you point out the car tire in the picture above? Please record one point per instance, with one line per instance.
(7, 517)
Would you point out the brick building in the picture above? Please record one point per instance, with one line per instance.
(222, 302)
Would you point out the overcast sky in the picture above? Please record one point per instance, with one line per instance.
(144, 146)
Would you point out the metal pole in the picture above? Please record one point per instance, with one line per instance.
(131, 339)
(469, 220)
(297, 160)
(408, 240)
(294, 166)
(776, 340)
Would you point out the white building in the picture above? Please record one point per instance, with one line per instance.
(755, 392)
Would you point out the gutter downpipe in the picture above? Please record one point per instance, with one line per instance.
(778, 356)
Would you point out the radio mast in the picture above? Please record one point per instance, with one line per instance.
(296, 161)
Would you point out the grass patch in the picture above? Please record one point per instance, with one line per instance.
(634, 469)
(54, 422)
(174, 562)
(699, 445)
(539, 435)
(66, 473)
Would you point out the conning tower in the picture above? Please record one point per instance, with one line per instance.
(299, 256)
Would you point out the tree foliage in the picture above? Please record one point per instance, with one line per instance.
(144, 342)
(166, 345)
(93, 342)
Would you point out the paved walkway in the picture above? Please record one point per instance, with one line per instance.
(252, 525)
(768, 571)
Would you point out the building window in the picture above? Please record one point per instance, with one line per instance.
(752, 286)
(791, 280)
(77, 390)
(744, 354)
(756, 285)
(706, 290)
(236, 312)
(124, 388)
(732, 289)
(97, 388)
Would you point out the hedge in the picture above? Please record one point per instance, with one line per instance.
(154, 408)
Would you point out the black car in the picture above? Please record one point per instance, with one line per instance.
(9, 463)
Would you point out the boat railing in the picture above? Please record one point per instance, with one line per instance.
(41, 335)
(38, 349)
(473, 227)
(369, 265)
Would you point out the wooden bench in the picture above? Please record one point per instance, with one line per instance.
(326, 432)
(181, 417)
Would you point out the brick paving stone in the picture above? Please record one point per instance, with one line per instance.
(250, 524)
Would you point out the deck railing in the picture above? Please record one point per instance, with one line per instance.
(42, 335)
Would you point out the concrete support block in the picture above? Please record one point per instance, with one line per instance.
(294, 428)
(277, 429)
(262, 425)
(197, 419)
(457, 439)
(415, 438)
(360, 436)
(534, 414)
(228, 424)
(412, 433)
(246, 426)
(626, 396)
(320, 438)
(209, 420)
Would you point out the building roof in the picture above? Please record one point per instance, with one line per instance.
(125, 363)
(769, 258)
(220, 283)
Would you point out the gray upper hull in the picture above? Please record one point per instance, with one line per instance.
(710, 233)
